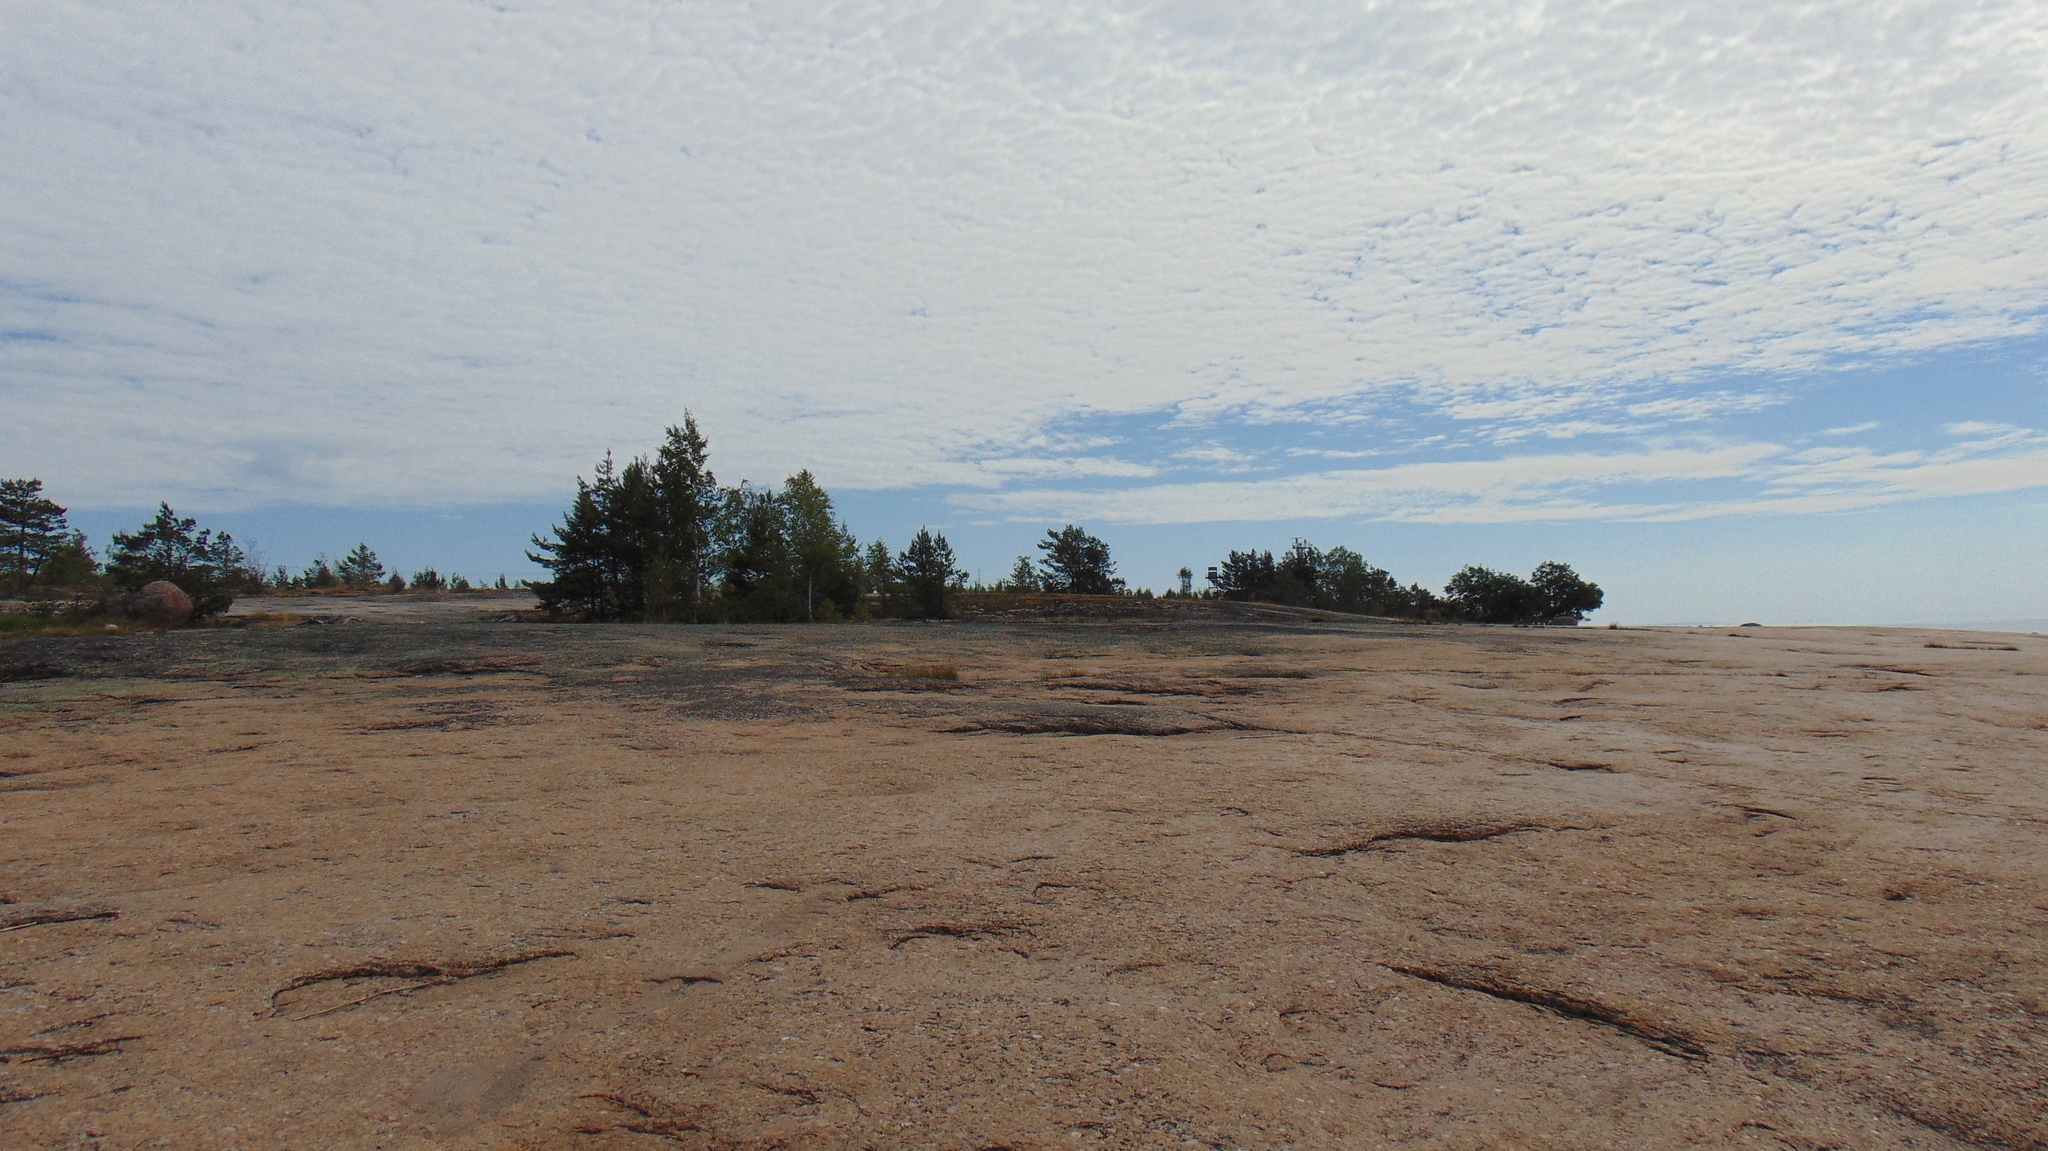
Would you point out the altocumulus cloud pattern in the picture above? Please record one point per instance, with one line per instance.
(1140, 262)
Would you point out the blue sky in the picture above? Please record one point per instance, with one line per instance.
(1736, 306)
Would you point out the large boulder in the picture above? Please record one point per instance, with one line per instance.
(158, 604)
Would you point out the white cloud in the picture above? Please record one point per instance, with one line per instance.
(1982, 428)
(1072, 467)
(1219, 458)
(1522, 487)
(1703, 406)
(442, 251)
(1645, 485)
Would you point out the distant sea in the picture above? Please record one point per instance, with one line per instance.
(2020, 626)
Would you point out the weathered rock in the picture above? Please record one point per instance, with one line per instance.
(158, 604)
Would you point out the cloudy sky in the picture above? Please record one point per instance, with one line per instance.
(1492, 279)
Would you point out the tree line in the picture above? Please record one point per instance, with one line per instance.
(39, 549)
(1341, 580)
(659, 540)
(361, 570)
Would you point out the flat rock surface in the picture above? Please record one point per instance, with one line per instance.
(406, 607)
(456, 883)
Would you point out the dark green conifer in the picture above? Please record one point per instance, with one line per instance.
(207, 567)
(928, 574)
(33, 532)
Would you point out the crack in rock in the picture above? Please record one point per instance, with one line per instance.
(960, 931)
(1089, 725)
(48, 915)
(64, 1052)
(1434, 833)
(1667, 1040)
(424, 975)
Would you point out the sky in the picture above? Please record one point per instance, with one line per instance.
(1738, 307)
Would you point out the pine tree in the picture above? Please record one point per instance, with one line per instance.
(1351, 584)
(1298, 575)
(880, 577)
(318, 575)
(1244, 575)
(755, 584)
(825, 558)
(207, 567)
(360, 568)
(1077, 563)
(928, 573)
(33, 531)
(687, 501)
(602, 549)
(1023, 577)
(660, 540)
(578, 555)
(632, 536)
(70, 564)
(637, 542)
